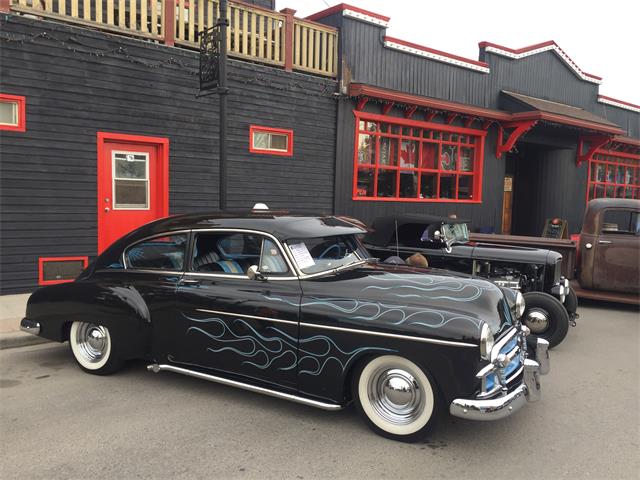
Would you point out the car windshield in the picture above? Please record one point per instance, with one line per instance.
(323, 254)
(455, 232)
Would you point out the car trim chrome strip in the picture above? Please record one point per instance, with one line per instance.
(390, 335)
(239, 276)
(245, 386)
(252, 317)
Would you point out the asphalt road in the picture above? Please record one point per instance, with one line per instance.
(58, 422)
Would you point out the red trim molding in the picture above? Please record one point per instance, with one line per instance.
(519, 129)
(22, 112)
(353, 12)
(539, 48)
(282, 131)
(361, 90)
(618, 103)
(42, 260)
(433, 54)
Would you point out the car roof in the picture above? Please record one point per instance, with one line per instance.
(383, 228)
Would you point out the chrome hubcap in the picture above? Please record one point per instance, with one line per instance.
(537, 320)
(396, 395)
(92, 341)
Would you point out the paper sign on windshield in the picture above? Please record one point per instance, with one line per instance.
(301, 255)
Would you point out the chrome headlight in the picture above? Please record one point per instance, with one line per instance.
(486, 342)
(519, 306)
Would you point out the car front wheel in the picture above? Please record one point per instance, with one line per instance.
(546, 317)
(93, 349)
(396, 398)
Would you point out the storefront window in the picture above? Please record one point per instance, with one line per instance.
(405, 160)
(614, 175)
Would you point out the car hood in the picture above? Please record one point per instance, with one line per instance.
(491, 251)
(403, 299)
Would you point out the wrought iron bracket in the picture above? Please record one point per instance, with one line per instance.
(519, 129)
(595, 142)
(209, 59)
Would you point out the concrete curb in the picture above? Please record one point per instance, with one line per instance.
(19, 339)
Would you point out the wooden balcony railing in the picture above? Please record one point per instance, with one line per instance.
(254, 33)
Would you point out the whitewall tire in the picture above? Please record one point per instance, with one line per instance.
(93, 349)
(396, 397)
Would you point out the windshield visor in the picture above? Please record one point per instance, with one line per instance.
(323, 254)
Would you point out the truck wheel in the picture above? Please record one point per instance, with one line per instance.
(546, 317)
(396, 398)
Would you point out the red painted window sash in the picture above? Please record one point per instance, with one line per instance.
(477, 148)
(43, 260)
(610, 158)
(22, 111)
(281, 131)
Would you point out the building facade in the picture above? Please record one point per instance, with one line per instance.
(102, 128)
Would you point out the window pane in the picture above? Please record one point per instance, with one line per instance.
(388, 151)
(387, 180)
(466, 159)
(620, 175)
(447, 186)
(261, 140)
(129, 165)
(428, 185)
(271, 260)
(409, 154)
(279, 141)
(448, 157)
(429, 154)
(165, 253)
(130, 194)
(465, 187)
(611, 173)
(408, 184)
(597, 172)
(8, 112)
(364, 187)
(366, 149)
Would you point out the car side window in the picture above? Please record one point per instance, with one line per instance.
(233, 253)
(620, 222)
(158, 253)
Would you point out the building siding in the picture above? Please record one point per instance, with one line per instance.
(78, 82)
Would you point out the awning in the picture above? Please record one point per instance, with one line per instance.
(525, 107)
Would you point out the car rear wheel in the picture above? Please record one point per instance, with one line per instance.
(397, 399)
(546, 317)
(93, 349)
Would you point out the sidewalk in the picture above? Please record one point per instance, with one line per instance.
(12, 310)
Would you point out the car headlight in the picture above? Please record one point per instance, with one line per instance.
(519, 307)
(486, 342)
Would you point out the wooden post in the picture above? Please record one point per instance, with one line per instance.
(5, 6)
(288, 38)
(170, 22)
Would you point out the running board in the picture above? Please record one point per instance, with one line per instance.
(245, 386)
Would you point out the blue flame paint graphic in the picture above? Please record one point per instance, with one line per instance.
(278, 350)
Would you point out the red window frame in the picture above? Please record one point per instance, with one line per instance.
(263, 151)
(22, 120)
(477, 147)
(611, 160)
(42, 260)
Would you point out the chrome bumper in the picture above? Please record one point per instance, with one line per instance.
(503, 406)
(30, 326)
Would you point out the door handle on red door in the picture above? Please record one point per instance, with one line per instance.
(106, 209)
(604, 242)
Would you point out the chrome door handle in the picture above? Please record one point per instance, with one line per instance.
(604, 242)
(186, 281)
(588, 246)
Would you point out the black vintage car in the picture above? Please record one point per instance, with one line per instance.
(292, 307)
(444, 241)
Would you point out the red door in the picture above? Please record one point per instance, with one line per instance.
(132, 184)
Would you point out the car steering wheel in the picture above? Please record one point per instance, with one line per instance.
(328, 249)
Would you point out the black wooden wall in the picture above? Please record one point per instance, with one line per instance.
(78, 82)
(562, 188)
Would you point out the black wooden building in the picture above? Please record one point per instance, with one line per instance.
(101, 128)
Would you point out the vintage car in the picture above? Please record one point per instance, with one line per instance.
(609, 251)
(292, 307)
(444, 241)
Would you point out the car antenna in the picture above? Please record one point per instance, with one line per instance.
(397, 246)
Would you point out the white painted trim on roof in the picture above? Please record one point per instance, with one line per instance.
(365, 18)
(618, 104)
(435, 56)
(546, 48)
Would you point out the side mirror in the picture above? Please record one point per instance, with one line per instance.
(254, 274)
